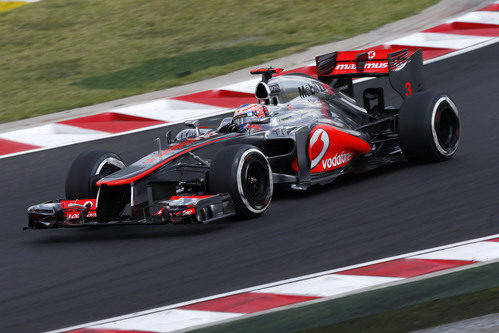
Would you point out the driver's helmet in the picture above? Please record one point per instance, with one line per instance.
(248, 112)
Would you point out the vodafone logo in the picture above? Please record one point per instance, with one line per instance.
(319, 143)
(337, 160)
(371, 54)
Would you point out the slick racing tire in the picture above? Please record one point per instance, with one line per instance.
(428, 127)
(87, 169)
(244, 172)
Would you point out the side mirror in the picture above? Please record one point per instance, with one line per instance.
(158, 142)
(192, 124)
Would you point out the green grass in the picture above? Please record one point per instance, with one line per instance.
(428, 314)
(60, 54)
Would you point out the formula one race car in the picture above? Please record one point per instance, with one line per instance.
(302, 131)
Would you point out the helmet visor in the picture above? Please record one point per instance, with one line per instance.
(243, 119)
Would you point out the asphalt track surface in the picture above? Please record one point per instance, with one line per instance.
(56, 278)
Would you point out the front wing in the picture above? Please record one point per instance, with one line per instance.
(178, 209)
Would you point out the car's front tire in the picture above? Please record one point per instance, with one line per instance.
(429, 127)
(244, 172)
(87, 169)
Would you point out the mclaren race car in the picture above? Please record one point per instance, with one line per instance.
(301, 131)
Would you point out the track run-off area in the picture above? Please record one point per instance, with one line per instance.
(59, 278)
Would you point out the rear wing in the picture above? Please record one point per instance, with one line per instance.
(404, 73)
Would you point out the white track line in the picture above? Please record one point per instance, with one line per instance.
(168, 110)
(247, 86)
(481, 251)
(439, 40)
(170, 320)
(484, 17)
(462, 51)
(259, 288)
(53, 135)
(329, 285)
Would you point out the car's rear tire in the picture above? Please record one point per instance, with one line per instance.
(244, 172)
(87, 169)
(429, 127)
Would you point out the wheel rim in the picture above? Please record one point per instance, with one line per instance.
(254, 181)
(445, 126)
(109, 166)
(105, 168)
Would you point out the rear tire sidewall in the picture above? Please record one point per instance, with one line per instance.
(87, 169)
(428, 127)
(231, 171)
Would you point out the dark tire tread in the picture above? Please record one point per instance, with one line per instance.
(415, 128)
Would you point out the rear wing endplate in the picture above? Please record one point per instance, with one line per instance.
(404, 73)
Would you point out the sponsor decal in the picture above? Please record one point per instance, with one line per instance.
(371, 54)
(76, 215)
(319, 137)
(325, 157)
(345, 66)
(310, 89)
(190, 211)
(73, 213)
(274, 89)
(249, 110)
(376, 65)
(336, 161)
(368, 65)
